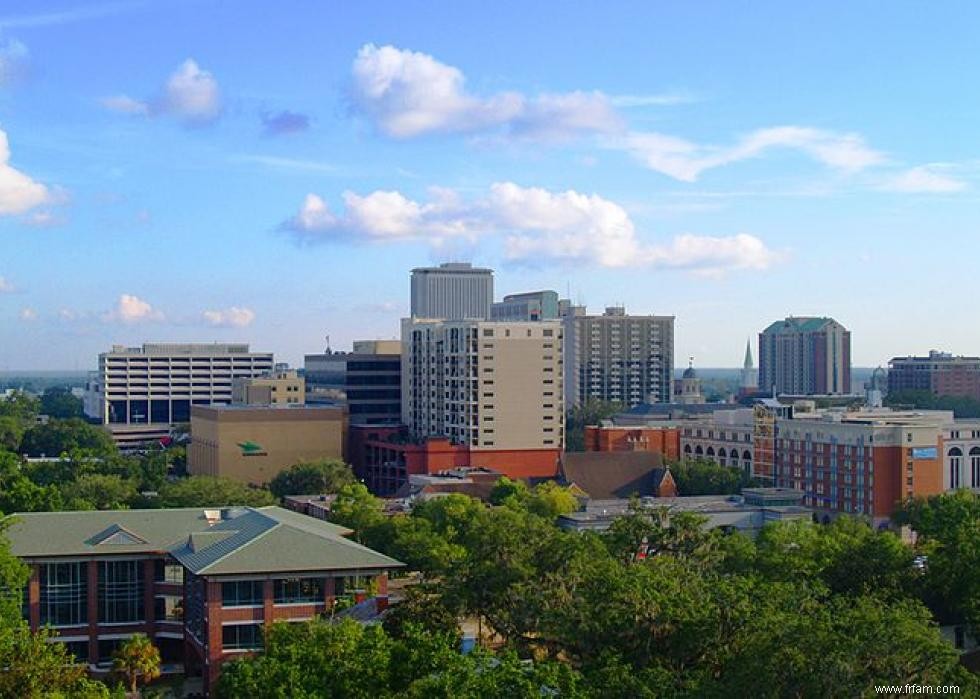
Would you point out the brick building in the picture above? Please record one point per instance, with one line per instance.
(201, 584)
(940, 373)
(660, 439)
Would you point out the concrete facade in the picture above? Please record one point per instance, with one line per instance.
(452, 291)
(805, 356)
(254, 443)
(278, 388)
(618, 357)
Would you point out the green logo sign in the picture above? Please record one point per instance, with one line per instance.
(252, 449)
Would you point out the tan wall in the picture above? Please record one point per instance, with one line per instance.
(285, 435)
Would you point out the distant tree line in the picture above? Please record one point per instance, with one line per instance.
(962, 406)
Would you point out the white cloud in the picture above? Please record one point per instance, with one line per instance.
(126, 105)
(129, 309)
(530, 223)
(27, 314)
(409, 93)
(18, 192)
(667, 99)
(923, 178)
(190, 94)
(6, 287)
(234, 317)
(44, 219)
(684, 160)
(13, 61)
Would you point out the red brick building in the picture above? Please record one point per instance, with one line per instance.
(664, 440)
(384, 458)
(201, 584)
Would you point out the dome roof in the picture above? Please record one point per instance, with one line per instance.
(689, 373)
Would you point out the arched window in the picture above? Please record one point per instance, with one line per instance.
(746, 456)
(687, 448)
(698, 450)
(722, 457)
(955, 461)
(710, 452)
(734, 458)
(975, 467)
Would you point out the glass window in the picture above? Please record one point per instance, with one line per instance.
(64, 594)
(120, 592)
(242, 593)
(168, 608)
(168, 572)
(299, 590)
(241, 637)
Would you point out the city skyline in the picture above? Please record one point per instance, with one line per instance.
(159, 186)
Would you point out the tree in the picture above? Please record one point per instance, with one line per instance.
(703, 477)
(209, 491)
(62, 436)
(60, 402)
(356, 508)
(506, 491)
(426, 611)
(549, 500)
(18, 493)
(591, 412)
(137, 659)
(312, 478)
(11, 433)
(98, 492)
(20, 406)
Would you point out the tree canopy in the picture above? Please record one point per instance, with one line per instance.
(312, 478)
(209, 491)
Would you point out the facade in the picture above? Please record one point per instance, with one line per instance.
(484, 385)
(367, 380)
(859, 462)
(139, 393)
(659, 439)
(805, 356)
(530, 306)
(201, 584)
(254, 443)
(618, 357)
(282, 387)
(940, 373)
(452, 291)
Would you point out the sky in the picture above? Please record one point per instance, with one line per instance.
(270, 172)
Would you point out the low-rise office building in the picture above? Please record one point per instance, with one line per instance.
(281, 387)
(201, 584)
(254, 443)
(367, 380)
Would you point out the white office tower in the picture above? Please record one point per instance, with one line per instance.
(452, 291)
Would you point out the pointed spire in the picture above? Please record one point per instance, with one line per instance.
(748, 355)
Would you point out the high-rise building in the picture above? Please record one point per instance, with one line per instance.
(139, 393)
(618, 357)
(367, 380)
(452, 291)
(940, 373)
(487, 385)
(533, 305)
(805, 356)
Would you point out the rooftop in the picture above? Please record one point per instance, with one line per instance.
(224, 541)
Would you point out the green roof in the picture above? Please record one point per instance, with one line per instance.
(798, 324)
(238, 541)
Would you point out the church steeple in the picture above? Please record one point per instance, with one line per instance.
(747, 364)
(750, 378)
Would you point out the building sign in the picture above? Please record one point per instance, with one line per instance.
(252, 449)
(924, 452)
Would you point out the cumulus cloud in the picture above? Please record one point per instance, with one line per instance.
(924, 179)
(686, 161)
(408, 93)
(129, 309)
(18, 192)
(13, 61)
(190, 95)
(234, 317)
(27, 314)
(6, 287)
(284, 123)
(533, 225)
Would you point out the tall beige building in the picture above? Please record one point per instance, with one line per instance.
(281, 387)
(487, 385)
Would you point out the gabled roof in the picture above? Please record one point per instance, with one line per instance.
(244, 540)
(610, 474)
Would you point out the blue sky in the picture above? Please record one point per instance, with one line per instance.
(215, 171)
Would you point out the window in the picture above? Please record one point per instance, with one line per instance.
(64, 594)
(120, 592)
(168, 572)
(241, 637)
(299, 591)
(242, 593)
(168, 608)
